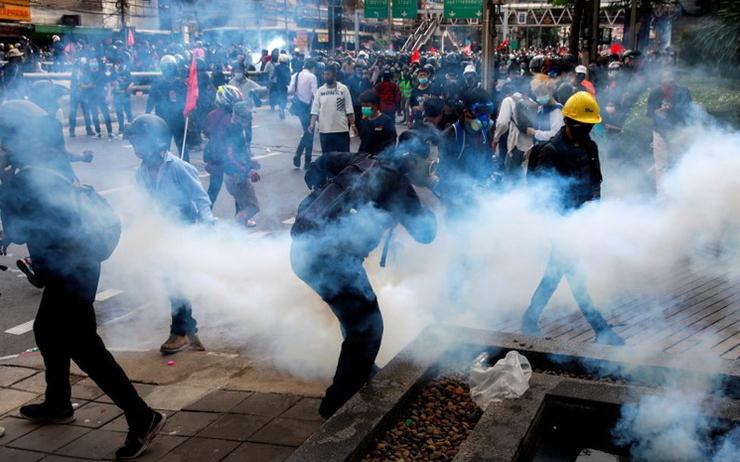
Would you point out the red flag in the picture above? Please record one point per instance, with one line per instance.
(415, 56)
(130, 38)
(192, 97)
(432, 50)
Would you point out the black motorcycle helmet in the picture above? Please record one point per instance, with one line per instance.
(149, 131)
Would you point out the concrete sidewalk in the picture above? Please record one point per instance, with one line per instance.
(219, 407)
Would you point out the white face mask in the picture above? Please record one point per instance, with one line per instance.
(611, 110)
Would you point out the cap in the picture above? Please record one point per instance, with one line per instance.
(581, 70)
(469, 69)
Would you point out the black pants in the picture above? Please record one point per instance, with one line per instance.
(66, 329)
(334, 142)
(305, 147)
(97, 104)
(342, 283)
(123, 107)
(76, 99)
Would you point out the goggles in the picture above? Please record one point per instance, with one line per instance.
(481, 108)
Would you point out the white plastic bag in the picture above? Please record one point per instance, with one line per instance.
(508, 378)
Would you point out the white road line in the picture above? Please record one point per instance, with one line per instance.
(115, 190)
(289, 221)
(257, 234)
(107, 294)
(130, 313)
(21, 328)
(265, 156)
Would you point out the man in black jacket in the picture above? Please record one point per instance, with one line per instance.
(571, 159)
(336, 228)
(37, 211)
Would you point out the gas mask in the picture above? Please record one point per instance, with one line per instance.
(482, 117)
(422, 171)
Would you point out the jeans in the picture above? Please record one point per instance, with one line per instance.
(334, 142)
(77, 99)
(183, 322)
(97, 103)
(342, 283)
(123, 107)
(563, 264)
(65, 329)
(305, 146)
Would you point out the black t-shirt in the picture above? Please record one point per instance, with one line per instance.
(376, 134)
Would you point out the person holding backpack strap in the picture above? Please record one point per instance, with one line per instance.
(39, 210)
(517, 140)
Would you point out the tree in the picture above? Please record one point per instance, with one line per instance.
(717, 41)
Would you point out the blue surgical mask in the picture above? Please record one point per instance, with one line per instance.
(543, 99)
(423, 81)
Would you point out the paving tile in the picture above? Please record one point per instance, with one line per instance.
(34, 384)
(234, 427)
(49, 438)
(15, 428)
(10, 375)
(19, 455)
(186, 423)
(97, 444)
(119, 424)
(86, 389)
(260, 452)
(200, 450)
(286, 432)
(268, 404)
(306, 409)
(61, 459)
(160, 447)
(95, 415)
(218, 401)
(11, 399)
(144, 389)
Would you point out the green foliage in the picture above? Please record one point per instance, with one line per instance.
(717, 42)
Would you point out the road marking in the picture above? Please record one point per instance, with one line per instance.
(265, 156)
(107, 294)
(130, 313)
(257, 234)
(289, 221)
(115, 190)
(21, 328)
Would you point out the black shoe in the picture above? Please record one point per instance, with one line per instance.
(137, 442)
(297, 161)
(98, 135)
(26, 268)
(90, 133)
(43, 413)
(72, 134)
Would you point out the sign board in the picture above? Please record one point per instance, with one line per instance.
(15, 10)
(376, 9)
(322, 37)
(463, 9)
(521, 18)
(301, 39)
(404, 9)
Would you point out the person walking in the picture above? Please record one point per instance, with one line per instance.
(174, 185)
(332, 110)
(37, 210)
(304, 87)
(571, 159)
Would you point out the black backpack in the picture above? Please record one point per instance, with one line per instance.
(98, 225)
(525, 112)
(533, 161)
(338, 196)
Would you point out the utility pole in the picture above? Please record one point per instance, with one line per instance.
(489, 34)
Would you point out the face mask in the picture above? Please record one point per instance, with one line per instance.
(94, 67)
(580, 131)
(358, 73)
(422, 172)
(543, 99)
(580, 78)
(239, 76)
(329, 82)
(471, 80)
(367, 111)
(481, 123)
(612, 74)
(611, 110)
(120, 67)
(423, 81)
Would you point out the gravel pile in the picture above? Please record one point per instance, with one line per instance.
(434, 426)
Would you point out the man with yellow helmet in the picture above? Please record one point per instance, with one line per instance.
(571, 159)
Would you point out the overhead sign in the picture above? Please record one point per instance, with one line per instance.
(376, 9)
(404, 9)
(15, 10)
(463, 9)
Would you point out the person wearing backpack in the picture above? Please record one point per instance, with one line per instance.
(549, 118)
(34, 212)
(570, 160)
(356, 199)
(175, 187)
(511, 131)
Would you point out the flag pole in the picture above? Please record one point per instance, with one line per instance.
(184, 137)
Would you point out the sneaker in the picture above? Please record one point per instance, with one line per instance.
(297, 161)
(90, 133)
(251, 224)
(98, 135)
(26, 268)
(42, 413)
(136, 443)
(195, 343)
(609, 337)
(72, 134)
(111, 135)
(174, 344)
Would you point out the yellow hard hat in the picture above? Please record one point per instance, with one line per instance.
(582, 106)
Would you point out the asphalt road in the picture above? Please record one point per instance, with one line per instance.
(112, 174)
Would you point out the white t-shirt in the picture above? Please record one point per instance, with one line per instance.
(332, 105)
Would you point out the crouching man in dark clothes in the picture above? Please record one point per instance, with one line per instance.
(357, 198)
(570, 158)
(38, 210)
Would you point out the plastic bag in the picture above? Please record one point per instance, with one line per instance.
(508, 378)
